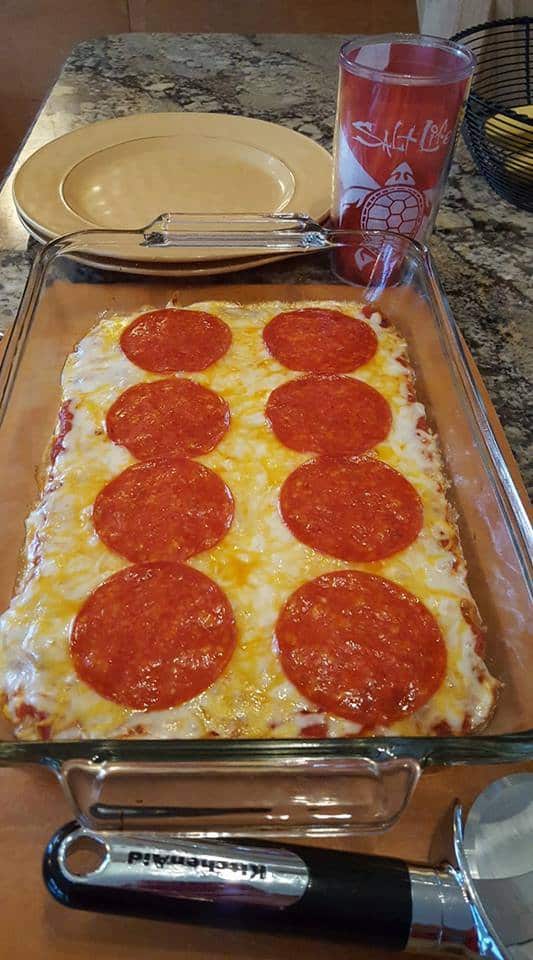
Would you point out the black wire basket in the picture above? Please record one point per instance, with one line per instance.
(498, 126)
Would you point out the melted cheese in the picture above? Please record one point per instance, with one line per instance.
(258, 564)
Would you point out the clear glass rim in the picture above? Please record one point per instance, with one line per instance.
(428, 751)
(460, 51)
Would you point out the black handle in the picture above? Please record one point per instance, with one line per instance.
(338, 896)
(361, 898)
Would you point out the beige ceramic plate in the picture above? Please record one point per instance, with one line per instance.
(122, 174)
(157, 269)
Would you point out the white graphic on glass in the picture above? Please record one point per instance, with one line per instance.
(429, 139)
(397, 204)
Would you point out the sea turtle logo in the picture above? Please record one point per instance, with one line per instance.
(396, 206)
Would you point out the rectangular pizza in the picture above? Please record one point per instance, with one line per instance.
(242, 531)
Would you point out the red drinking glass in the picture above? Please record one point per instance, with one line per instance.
(401, 98)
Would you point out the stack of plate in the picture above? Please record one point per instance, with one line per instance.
(123, 173)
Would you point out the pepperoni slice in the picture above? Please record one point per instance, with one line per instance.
(329, 415)
(153, 635)
(167, 509)
(166, 417)
(320, 341)
(165, 341)
(360, 647)
(358, 510)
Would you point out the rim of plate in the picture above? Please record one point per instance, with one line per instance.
(156, 269)
(44, 172)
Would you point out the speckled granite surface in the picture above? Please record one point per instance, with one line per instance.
(481, 244)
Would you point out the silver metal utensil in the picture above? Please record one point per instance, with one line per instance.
(480, 907)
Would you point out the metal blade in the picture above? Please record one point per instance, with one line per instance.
(509, 904)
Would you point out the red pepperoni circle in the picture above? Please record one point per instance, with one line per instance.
(166, 341)
(360, 647)
(153, 635)
(329, 415)
(320, 341)
(166, 417)
(167, 509)
(358, 510)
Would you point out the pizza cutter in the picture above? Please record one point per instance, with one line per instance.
(480, 907)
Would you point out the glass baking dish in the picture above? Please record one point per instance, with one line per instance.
(218, 787)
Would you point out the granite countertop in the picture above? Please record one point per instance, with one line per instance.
(482, 245)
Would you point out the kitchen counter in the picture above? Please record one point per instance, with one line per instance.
(481, 242)
(480, 248)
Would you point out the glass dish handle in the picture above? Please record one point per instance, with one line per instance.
(304, 797)
(283, 233)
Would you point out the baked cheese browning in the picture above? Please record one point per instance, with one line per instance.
(258, 564)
